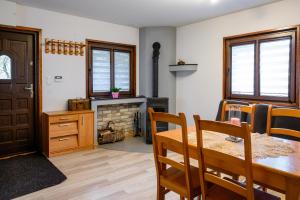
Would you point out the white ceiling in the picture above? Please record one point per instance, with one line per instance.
(142, 13)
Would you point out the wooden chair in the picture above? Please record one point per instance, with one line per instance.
(282, 112)
(249, 109)
(226, 189)
(178, 177)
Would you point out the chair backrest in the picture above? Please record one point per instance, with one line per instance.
(248, 109)
(209, 158)
(282, 112)
(160, 150)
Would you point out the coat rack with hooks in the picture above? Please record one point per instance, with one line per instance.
(64, 47)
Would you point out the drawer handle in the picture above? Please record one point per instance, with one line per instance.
(62, 125)
(63, 118)
(62, 139)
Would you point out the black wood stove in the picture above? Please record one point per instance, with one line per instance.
(159, 104)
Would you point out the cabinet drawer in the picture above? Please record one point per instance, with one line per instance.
(63, 143)
(62, 129)
(63, 118)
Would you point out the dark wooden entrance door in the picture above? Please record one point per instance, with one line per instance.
(16, 92)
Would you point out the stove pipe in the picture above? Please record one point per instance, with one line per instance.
(155, 57)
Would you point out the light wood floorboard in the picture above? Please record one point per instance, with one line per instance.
(103, 174)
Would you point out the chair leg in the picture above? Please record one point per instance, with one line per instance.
(160, 193)
(181, 197)
(189, 198)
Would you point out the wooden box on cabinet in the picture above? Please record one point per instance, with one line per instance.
(67, 131)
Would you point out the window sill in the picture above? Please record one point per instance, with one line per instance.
(110, 98)
(102, 101)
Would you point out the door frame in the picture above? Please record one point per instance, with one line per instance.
(37, 35)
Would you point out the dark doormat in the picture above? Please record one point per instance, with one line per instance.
(22, 175)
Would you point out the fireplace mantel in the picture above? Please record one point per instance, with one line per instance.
(102, 102)
(95, 103)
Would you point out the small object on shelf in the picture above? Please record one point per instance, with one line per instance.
(115, 95)
(184, 67)
(180, 62)
(78, 104)
(115, 92)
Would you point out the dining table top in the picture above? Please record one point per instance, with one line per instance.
(288, 165)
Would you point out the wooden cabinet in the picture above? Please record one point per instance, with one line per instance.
(67, 131)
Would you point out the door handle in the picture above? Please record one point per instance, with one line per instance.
(30, 89)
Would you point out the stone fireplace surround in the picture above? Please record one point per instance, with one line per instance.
(120, 111)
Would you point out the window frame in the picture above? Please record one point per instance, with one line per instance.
(257, 38)
(112, 47)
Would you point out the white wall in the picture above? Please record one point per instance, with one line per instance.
(7, 13)
(166, 36)
(66, 27)
(202, 43)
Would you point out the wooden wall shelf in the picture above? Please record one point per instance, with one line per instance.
(182, 68)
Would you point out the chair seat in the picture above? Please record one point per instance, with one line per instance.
(219, 193)
(174, 179)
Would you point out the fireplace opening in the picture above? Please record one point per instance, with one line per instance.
(123, 117)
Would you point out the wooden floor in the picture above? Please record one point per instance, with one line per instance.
(103, 174)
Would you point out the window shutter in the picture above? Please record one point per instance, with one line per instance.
(242, 69)
(122, 70)
(274, 68)
(101, 71)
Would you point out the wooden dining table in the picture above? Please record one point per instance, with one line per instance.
(281, 173)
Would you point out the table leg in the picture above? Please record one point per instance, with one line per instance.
(293, 190)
